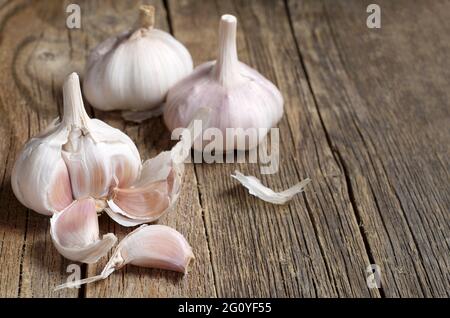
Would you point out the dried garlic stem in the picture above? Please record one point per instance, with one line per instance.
(74, 112)
(226, 69)
(146, 16)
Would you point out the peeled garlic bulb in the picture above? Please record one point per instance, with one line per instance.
(155, 246)
(134, 70)
(238, 95)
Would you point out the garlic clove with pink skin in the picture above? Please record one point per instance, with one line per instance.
(156, 190)
(133, 71)
(238, 96)
(75, 232)
(154, 246)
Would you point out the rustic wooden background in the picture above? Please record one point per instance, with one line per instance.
(367, 118)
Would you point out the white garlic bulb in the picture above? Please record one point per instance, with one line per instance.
(72, 159)
(134, 70)
(238, 95)
(79, 166)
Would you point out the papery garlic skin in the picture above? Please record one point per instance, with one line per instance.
(134, 70)
(238, 95)
(256, 188)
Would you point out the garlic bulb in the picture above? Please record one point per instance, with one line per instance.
(238, 95)
(75, 158)
(134, 70)
(155, 246)
(79, 166)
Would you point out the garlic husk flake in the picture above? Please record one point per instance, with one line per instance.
(238, 96)
(75, 233)
(154, 246)
(134, 70)
(256, 188)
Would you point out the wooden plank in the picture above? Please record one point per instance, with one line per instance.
(311, 247)
(35, 58)
(383, 98)
(30, 266)
(152, 137)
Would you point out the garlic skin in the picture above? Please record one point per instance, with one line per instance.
(256, 188)
(154, 246)
(134, 70)
(238, 95)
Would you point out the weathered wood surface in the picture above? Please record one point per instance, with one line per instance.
(367, 119)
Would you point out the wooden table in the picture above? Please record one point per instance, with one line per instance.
(367, 118)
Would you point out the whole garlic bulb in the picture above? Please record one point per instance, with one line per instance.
(134, 70)
(238, 95)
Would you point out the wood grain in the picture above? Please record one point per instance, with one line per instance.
(311, 247)
(366, 118)
(383, 99)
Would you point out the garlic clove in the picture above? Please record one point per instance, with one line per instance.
(238, 96)
(134, 70)
(150, 196)
(156, 190)
(154, 246)
(96, 154)
(75, 232)
(39, 177)
(60, 192)
(89, 169)
(259, 190)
